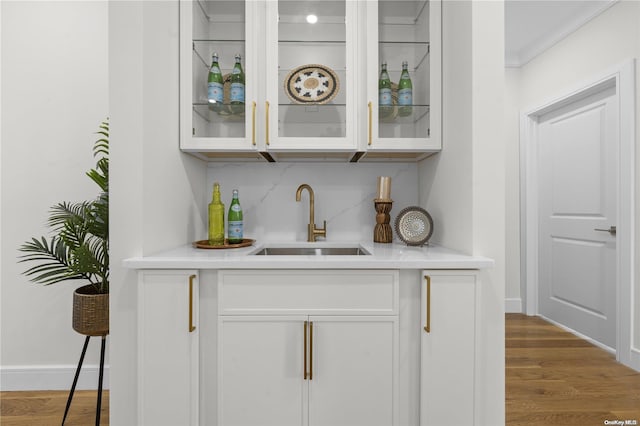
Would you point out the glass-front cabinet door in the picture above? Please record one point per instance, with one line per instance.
(310, 70)
(271, 79)
(218, 76)
(403, 76)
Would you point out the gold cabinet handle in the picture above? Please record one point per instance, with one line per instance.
(267, 123)
(427, 326)
(253, 123)
(191, 326)
(304, 341)
(310, 350)
(370, 122)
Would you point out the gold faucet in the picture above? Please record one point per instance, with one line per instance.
(312, 231)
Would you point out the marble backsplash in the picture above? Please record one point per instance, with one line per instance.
(344, 196)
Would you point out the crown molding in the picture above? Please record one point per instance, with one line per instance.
(527, 53)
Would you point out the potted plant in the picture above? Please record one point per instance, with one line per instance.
(79, 248)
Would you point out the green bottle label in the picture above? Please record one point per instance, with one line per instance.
(215, 92)
(235, 231)
(237, 92)
(385, 97)
(405, 96)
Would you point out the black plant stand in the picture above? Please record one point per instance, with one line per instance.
(75, 380)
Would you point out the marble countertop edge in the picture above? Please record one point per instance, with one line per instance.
(382, 256)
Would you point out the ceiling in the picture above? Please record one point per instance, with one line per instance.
(532, 26)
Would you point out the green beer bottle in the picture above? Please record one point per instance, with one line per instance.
(385, 100)
(216, 218)
(215, 92)
(237, 88)
(405, 92)
(235, 227)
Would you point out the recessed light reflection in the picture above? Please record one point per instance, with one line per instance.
(312, 19)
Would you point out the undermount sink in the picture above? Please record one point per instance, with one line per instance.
(312, 251)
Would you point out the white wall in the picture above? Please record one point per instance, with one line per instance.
(156, 192)
(489, 195)
(54, 96)
(446, 178)
(604, 43)
(514, 292)
(464, 186)
(344, 194)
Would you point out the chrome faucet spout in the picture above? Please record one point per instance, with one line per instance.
(312, 231)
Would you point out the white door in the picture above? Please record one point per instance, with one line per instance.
(261, 371)
(448, 354)
(353, 371)
(168, 348)
(578, 145)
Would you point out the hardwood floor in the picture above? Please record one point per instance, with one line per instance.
(552, 378)
(46, 408)
(555, 378)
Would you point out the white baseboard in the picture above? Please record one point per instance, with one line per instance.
(56, 377)
(635, 359)
(580, 335)
(513, 306)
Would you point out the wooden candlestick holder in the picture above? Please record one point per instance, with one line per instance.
(382, 232)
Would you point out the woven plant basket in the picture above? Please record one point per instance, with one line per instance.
(90, 312)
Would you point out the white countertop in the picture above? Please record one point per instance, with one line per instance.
(383, 256)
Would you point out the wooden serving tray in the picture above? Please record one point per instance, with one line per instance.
(204, 244)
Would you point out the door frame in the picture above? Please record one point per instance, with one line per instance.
(623, 78)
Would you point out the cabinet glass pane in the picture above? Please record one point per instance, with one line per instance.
(301, 41)
(218, 27)
(403, 28)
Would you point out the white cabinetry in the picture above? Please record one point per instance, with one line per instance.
(448, 348)
(296, 125)
(351, 38)
(168, 348)
(226, 28)
(405, 31)
(326, 353)
(311, 348)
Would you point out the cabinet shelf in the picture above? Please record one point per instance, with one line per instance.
(312, 42)
(392, 115)
(226, 49)
(319, 120)
(218, 40)
(416, 43)
(204, 111)
(316, 106)
(415, 52)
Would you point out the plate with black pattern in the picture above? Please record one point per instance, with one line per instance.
(311, 84)
(414, 226)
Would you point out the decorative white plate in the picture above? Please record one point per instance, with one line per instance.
(414, 226)
(311, 84)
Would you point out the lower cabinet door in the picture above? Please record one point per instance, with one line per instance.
(354, 371)
(261, 371)
(168, 348)
(448, 343)
(307, 370)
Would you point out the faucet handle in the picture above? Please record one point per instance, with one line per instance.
(320, 231)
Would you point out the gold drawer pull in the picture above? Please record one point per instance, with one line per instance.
(253, 123)
(310, 350)
(191, 326)
(427, 326)
(304, 341)
(370, 122)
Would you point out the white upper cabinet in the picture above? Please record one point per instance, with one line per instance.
(227, 28)
(397, 32)
(311, 78)
(310, 71)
